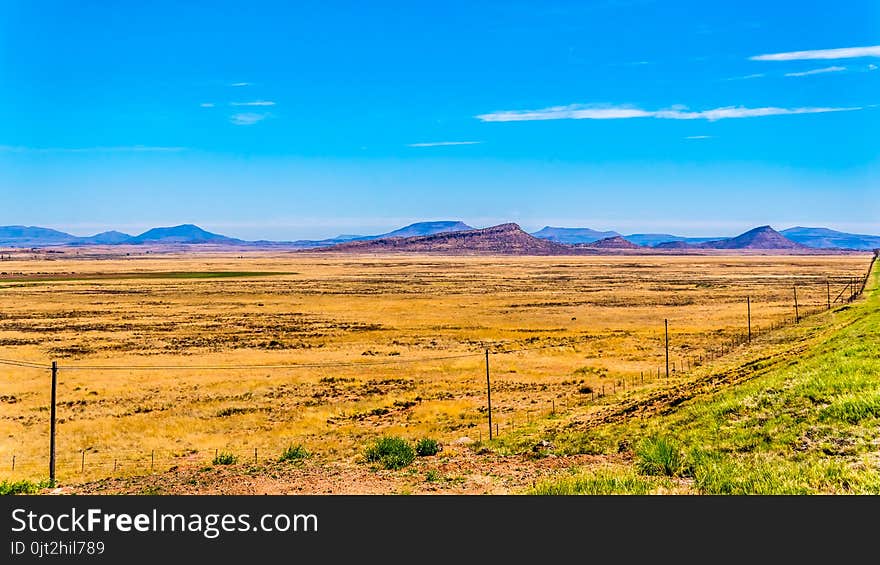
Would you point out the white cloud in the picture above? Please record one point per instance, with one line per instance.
(443, 143)
(872, 67)
(570, 112)
(99, 149)
(699, 137)
(240, 84)
(247, 118)
(586, 112)
(747, 77)
(254, 103)
(207, 104)
(816, 71)
(842, 53)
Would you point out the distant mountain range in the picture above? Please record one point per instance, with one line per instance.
(412, 230)
(572, 235)
(824, 238)
(653, 239)
(452, 235)
(763, 237)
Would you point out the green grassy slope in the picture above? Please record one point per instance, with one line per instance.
(810, 425)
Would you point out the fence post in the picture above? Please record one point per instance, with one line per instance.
(828, 293)
(82, 467)
(749, 308)
(152, 458)
(489, 396)
(255, 456)
(13, 462)
(52, 426)
(666, 331)
(797, 316)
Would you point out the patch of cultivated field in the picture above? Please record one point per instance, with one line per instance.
(388, 345)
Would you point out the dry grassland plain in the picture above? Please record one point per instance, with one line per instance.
(145, 345)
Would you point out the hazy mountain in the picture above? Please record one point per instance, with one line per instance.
(32, 236)
(186, 233)
(652, 239)
(616, 242)
(763, 237)
(426, 228)
(412, 230)
(824, 238)
(507, 239)
(103, 238)
(572, 235)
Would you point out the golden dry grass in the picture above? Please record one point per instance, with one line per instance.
(595, 322)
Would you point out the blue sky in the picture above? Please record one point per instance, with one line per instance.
(289, 120)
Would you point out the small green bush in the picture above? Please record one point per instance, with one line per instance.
(224, 458)
(391, 453)
(294, 453)
(21, 487)
(427, 447)
(659, 456)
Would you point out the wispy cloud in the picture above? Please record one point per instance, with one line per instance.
(699, 137)
(570, 112)
(99, 149)
(254, 103)
(589, 112)
(747, 77)
(816, 71)
(442, 143)
(841, 53)
(240, 84)
(207, 104)
(247, 118)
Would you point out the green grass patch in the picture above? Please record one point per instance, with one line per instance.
(427, 447)
(601, 482)
(853, 408)
(294, 453)
(22, 487)
(225, 458)
(660, 456)
(390, 453)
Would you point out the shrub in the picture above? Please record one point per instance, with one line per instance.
(294, 453)
(659, 456)
(225, 458)
(21, 487)
(427, 447)
(391, 453)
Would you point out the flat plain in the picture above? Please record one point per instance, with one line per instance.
(167, 360)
